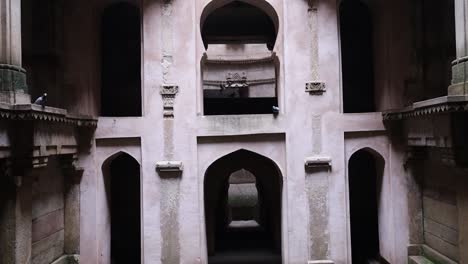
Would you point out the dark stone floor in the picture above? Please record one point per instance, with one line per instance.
(245, 244)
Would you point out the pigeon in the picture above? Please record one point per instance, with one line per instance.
(41, 100)
(275, 110)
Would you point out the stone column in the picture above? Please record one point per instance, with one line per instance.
(15, 216)
(459, 66)
(72, 179)
(13, 88)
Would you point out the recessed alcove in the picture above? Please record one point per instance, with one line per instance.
(242, 192)
(239, 67)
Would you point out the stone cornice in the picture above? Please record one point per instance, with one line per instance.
(436, 106)
(32, 112)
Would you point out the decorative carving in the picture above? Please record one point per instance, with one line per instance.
(315, 87)
(442, 107)
(168, 93)
(236, 80)
(49, 114)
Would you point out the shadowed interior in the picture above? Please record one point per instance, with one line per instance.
(246, 241)
(365, 179)
(123, 193)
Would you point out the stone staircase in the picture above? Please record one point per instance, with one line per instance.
(423, 254)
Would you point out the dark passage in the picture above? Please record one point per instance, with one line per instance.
(365, 175)
(239, 106)
(125, 210)
(357, 57)
(121, 61)
(243, 216)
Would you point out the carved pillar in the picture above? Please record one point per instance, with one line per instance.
(15, 214)
(13, 88)
(459, 66)
(72, 179)
(414, 167)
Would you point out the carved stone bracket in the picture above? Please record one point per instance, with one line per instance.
(315, 87)
(168, 93)
(70, 168)
(169, 169)
(318, 162)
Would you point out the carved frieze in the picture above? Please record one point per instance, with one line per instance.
(442, 105)
(236, 80)
(315, 87)
(168, 93)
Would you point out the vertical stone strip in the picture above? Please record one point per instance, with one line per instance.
(317, 194)
(169, 220)
(167, 40)
(315, 86)
(313, 25)
(316, 134)
(170, 186)
(317, 189)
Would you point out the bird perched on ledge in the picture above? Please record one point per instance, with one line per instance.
(41, 100)
(275, 110)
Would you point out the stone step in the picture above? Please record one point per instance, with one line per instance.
(435, 256)
(419, 260)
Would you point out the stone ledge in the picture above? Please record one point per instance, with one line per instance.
(67, 259)
(419, 260)
(436, 106)
(32, 112)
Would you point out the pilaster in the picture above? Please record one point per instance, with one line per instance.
(13, 88)
(459, 66)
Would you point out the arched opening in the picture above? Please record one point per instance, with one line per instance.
(365, 173)
(239, 69)
(121, 61)
(122, 186)
(357, 58)
(242, 192)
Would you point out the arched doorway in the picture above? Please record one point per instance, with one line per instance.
(365, 174)
(357, 57)
(242, 192)
(122, 187)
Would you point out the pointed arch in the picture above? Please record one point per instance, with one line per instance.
(248, 21)
(269, 185)
(365, 179)
(116, 154)
(122, 186)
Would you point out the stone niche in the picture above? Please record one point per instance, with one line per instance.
(239, 79)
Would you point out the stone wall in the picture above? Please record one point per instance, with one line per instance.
(440, 210)
(48, 214)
